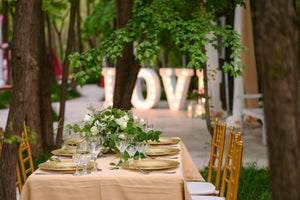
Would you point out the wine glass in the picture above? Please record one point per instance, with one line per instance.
(149, 126)
(85, 158)
(95, 148)
(76, 158)
(121, 142)
(131, 150)
(140, 148)
(143, 123)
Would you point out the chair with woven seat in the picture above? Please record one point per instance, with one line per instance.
(215, 164)
(233, 181)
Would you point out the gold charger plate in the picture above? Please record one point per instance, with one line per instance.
(165, 140)
(64, 152)
(151, 164)
(73, 141)
(63, 165)
(161, 150)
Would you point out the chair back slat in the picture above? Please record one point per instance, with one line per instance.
(233, 137)
(233, 184)
(217, 148)
(25, 156)
(19, 180)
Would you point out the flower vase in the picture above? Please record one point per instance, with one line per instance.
(192, 108)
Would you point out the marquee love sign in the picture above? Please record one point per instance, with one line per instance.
(176, 91)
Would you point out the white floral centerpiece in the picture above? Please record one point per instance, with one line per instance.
(109, 123)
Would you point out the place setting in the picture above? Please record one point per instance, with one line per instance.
(77, 160)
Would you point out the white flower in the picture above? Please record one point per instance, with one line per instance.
(94, 130)
(123, 126)
(97, 123)
(122, 136)
(87, 118)
(126, 118)
(122, 123)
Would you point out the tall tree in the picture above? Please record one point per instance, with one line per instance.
(78, 44)
(127, 67)
(44, 85)
(21, 62)
(33, 119)
(63, 94)
(277, 56)
(5, 29)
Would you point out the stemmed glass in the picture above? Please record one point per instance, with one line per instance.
(140, 148)
(85, 158)
(121, 141)
(95, 148)
(76, 158)
(149, 126)
(131, 150)
(143, 123)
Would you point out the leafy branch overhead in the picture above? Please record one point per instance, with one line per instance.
(186, 22)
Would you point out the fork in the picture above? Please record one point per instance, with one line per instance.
(144, 172)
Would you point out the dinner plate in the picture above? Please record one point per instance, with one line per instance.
(63, 165)
(165, 140)
(64, 152)
(161, 150)
(73, 141)
(151, 164)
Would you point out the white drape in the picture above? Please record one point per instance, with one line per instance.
(238, 81)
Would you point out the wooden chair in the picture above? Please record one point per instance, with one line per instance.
(217, 148)
(233, 137)
(233, 182)
(25, 156)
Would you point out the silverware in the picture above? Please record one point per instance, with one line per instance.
(148, 172)
(175, 157)
(52, 173)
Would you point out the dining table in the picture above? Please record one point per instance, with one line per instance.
(112, 183)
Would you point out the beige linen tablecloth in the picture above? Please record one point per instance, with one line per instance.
(118, 184)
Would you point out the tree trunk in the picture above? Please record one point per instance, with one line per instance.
(5, 28)
(277, 56)
(21, 62)
(207, 109)
(50, 54)
(79, 46)
(127, 68)
(71, 37)
(45, 92)
(33, 119)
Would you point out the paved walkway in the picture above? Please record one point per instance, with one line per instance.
(193, 132)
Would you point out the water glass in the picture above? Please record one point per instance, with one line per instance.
(131, 150)
(76, 158)
(140, 148)
(121, 143)
(85, 158)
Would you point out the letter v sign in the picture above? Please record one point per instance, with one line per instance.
(176, 91)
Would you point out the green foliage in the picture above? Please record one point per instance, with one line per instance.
(4, 99)
(105, 11)
(54, 8)
(187, 24)
(55, 93)
(254, 182)
(10, 137)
